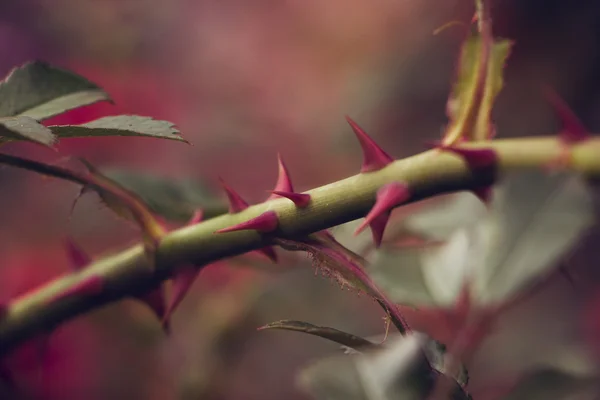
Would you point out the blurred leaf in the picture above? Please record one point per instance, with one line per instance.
(119, 199)
(173, 198)
(400, 371)
(346, 339)
(478, 82)
(499, 255)
(121, 125)
(25, 128)
(336, 261)
(40, 91)
(554, 385)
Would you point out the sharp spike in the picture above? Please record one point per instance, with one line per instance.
(270, 253)
(374, 158)
(475, 158)
(284, 183)
(266, 222)
(388, 197)
(236, 203)
(79, 259)
(301, 200)
(196, 217)
(155, 300)
(90, 286)
(573, 130)
(182, 281)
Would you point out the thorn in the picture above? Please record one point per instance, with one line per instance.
(156, 301)
(79, 259)
(284, 183)
(573, 130)
(90, 286)
(236, 203)
(475, 158)
(182, 281)
(388, 197)
(269, 252)
(264, 223)
(484, 194)
(301, 200)
(374, 158)
(196, 217)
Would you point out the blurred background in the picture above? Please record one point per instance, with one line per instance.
(244, 80)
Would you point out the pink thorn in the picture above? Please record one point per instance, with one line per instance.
(388, 197)
(269, 252)
(91, 286)
(284, 183)
(264, 223)
(236, 203)
(79, 259)
(374, 158)
(196, 217)
(484, 194)
(182, 281)
(301, 200)
(573, 130)
(156, 301)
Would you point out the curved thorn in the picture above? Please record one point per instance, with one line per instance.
(475, 158)
(284, 183)
(388, 197)
(236, 203)
(301, 200)
(155, 300)
(264, 223)
(573, 130)
(374, 158)
(182, 281)
(196, 217)
(78, 258)
(270, 253)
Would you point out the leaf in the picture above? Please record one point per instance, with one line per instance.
(346, 267)
(346, 339)
(40, 91)
(120, 125)
(400, 371)
(479, 80)
(175, 199)
(501, 255)
(25, 128)
(120, 200)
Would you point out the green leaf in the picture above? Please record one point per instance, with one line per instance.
(175, 199)
(25, 128)
(398, 371)
(121, 125)
(478, 82)
(346, 339)
(41, 91)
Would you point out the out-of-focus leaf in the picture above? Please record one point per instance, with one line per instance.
(119, 199)
(40, 91)
(400, 371)
(534, 220)
(555, 385)
(478, 82)
(175, 199)
(335, 261)
(121, 125)
(346, 339)
(25, 128)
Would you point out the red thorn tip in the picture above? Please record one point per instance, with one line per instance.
(265, 222)
(374, 158)
(270, 253)
(78, 258)
(284, 183)
(388, 197)
(573, 130)
(155, 300)
(475, 158)
(182, 282)
(484, 194)
(301, 200)
(91, 286)
(196, 217)
(236, 203)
